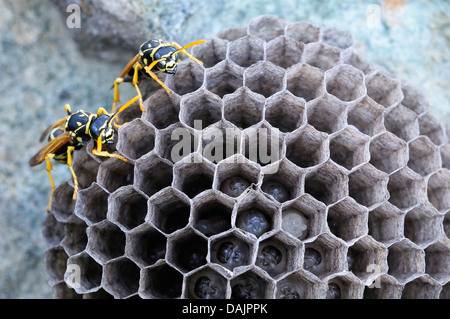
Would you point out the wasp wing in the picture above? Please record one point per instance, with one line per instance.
(129, 65)
(56, 124)
(51, 147)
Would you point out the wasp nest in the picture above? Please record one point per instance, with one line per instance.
(350, 198)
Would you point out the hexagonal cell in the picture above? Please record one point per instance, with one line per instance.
(327, 114)
(145, 245)
(406, 188)
(431, 127)
(283, 182)
(52, 230)
(327, 183)
(211, 213)
(366, 259)
(305, 81)
(349, 148)
(152, 174)
(220, 141)
(266, 27)
(246, 50)
(298, 285)
(55, 261)
(366, 116)
(176, 142)
(188, 78)
(358, 62)
(324, 256)
(262, 144)
(251, 284)
(368, 186)
(384, 89)
(345, 82)
(321, 55)
(303, 218)
(307, 147)
(162, 109)
(193, 175)
(187, 251)
(90, 270)
(405, 260)
(205, 283)
(92, 204)
(121, 277)
(105, 241)
(136, 138)
(388, 153)
(235, 175)
(386, 223)
(232, 34)
(284, 51)
(347, 220)
(445, 292)
(423, 225)
(414, 99)
(285, 111)
(114, 173)
(161, 281)
(402, 122)
(256, 214)
(85, 168)
(437, 260)
(231, 250)
(277, 255)
(127, 207)
(337, 38)
(423, 287)
(344, 287)
(264, 78)
(243, 108)
(439, 190)
(445, 155)
(211, 52)
(62, 291)
(62, 205)
(224, 78)
(204, 107)
(75, 238)
(384, 287)
(303, 31)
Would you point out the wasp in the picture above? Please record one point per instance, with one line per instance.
(154, 55)
(71, 133)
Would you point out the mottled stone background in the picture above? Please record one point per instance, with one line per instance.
(44, 64)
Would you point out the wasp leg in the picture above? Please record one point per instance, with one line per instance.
(116, 92)
(70, 149)
(179, 47)
(135, 82)
(102, 111)
(49, 168)
(98, 151)
(149, 71)
(67, 109)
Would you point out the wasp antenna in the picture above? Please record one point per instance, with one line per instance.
(123, 107)
(189, 45)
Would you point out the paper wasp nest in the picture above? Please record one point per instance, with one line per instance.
(356, 205)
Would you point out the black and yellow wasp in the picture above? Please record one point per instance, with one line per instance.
(70, 134)
(154, 55)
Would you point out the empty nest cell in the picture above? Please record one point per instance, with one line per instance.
(224, 78)
(327, 114)
(264, 78)
(306, 147)
(384, 89)
(305, 81)
(145, 245)
(243, 108)
(285, 111)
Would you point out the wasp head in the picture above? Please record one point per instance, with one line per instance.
(169, 64)
(102, 127)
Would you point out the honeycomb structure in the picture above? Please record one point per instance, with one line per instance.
(354, 204)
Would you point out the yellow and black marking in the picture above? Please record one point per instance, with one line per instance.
(71, 133)
(154, 55)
